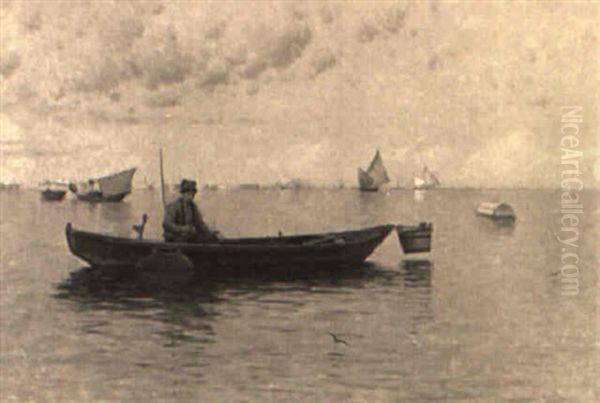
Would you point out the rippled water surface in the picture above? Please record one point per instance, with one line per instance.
(480, 318)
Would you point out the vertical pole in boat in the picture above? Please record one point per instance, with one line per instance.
(162, 180)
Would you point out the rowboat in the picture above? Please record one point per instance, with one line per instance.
(53, 190)
(53, 194)
(496, 211)
(345, 249)
(109, 188)
(9, 186)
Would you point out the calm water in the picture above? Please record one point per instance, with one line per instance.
(480, 318)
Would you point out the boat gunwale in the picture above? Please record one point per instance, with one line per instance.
(232, 245)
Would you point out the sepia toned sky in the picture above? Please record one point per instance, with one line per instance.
(238, 92)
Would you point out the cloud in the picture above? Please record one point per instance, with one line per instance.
(11, 132)
(9, 62)
(216, 31)
(278, 50)
(164, 67)
(217, 73)
(390, 20)
(322, 60)
(327, 14)
(254, 66)
(285, 48)
(165, 63)
(101, 76)
(31, 19)
(496, 163)
(120, 34)
(367, 31)
(164, 99)
(236, 54)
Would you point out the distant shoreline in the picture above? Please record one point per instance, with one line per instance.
(255, 187)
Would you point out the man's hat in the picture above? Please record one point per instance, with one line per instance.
(187, 185)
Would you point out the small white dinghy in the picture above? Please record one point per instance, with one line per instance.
(500, 211)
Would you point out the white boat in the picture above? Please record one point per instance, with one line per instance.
(375, 175)
(110, 188)
(426, 180)
(502, 211)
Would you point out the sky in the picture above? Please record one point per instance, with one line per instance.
(265, 92)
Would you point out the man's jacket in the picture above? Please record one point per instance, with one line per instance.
(181, 214)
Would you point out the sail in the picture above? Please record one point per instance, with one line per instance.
(374, 176)
(427, 180)
(429, 177)
(419, 183)
(365, 182)
(116, 184)
(377, 171)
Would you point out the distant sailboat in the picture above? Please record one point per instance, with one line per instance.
(375, 176)
(426, 180)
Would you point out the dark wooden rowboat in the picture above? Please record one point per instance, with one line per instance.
(98, 197)
(53, 194)
(346, 249)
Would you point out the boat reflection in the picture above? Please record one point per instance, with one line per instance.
(186, 312)
(495, 227)
(417, 273)
(418, 195)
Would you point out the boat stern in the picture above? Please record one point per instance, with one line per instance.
(415, 239)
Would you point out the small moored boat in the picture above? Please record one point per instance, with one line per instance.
(9, 186)
(53, 191)
(415, 238)
(110, 188)
(500, 211)
(300, 253)
(53, 194)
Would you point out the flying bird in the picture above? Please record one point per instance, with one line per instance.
(338, 340)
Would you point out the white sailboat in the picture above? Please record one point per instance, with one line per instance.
(375, 175)
(426, 180)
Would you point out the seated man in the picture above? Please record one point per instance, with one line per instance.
(183, 221)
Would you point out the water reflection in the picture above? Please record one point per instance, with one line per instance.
(419, 196)
(417, 276)
(369, 203)
(187, 311)
(417, 273)
(495, 226)
(116, 211)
